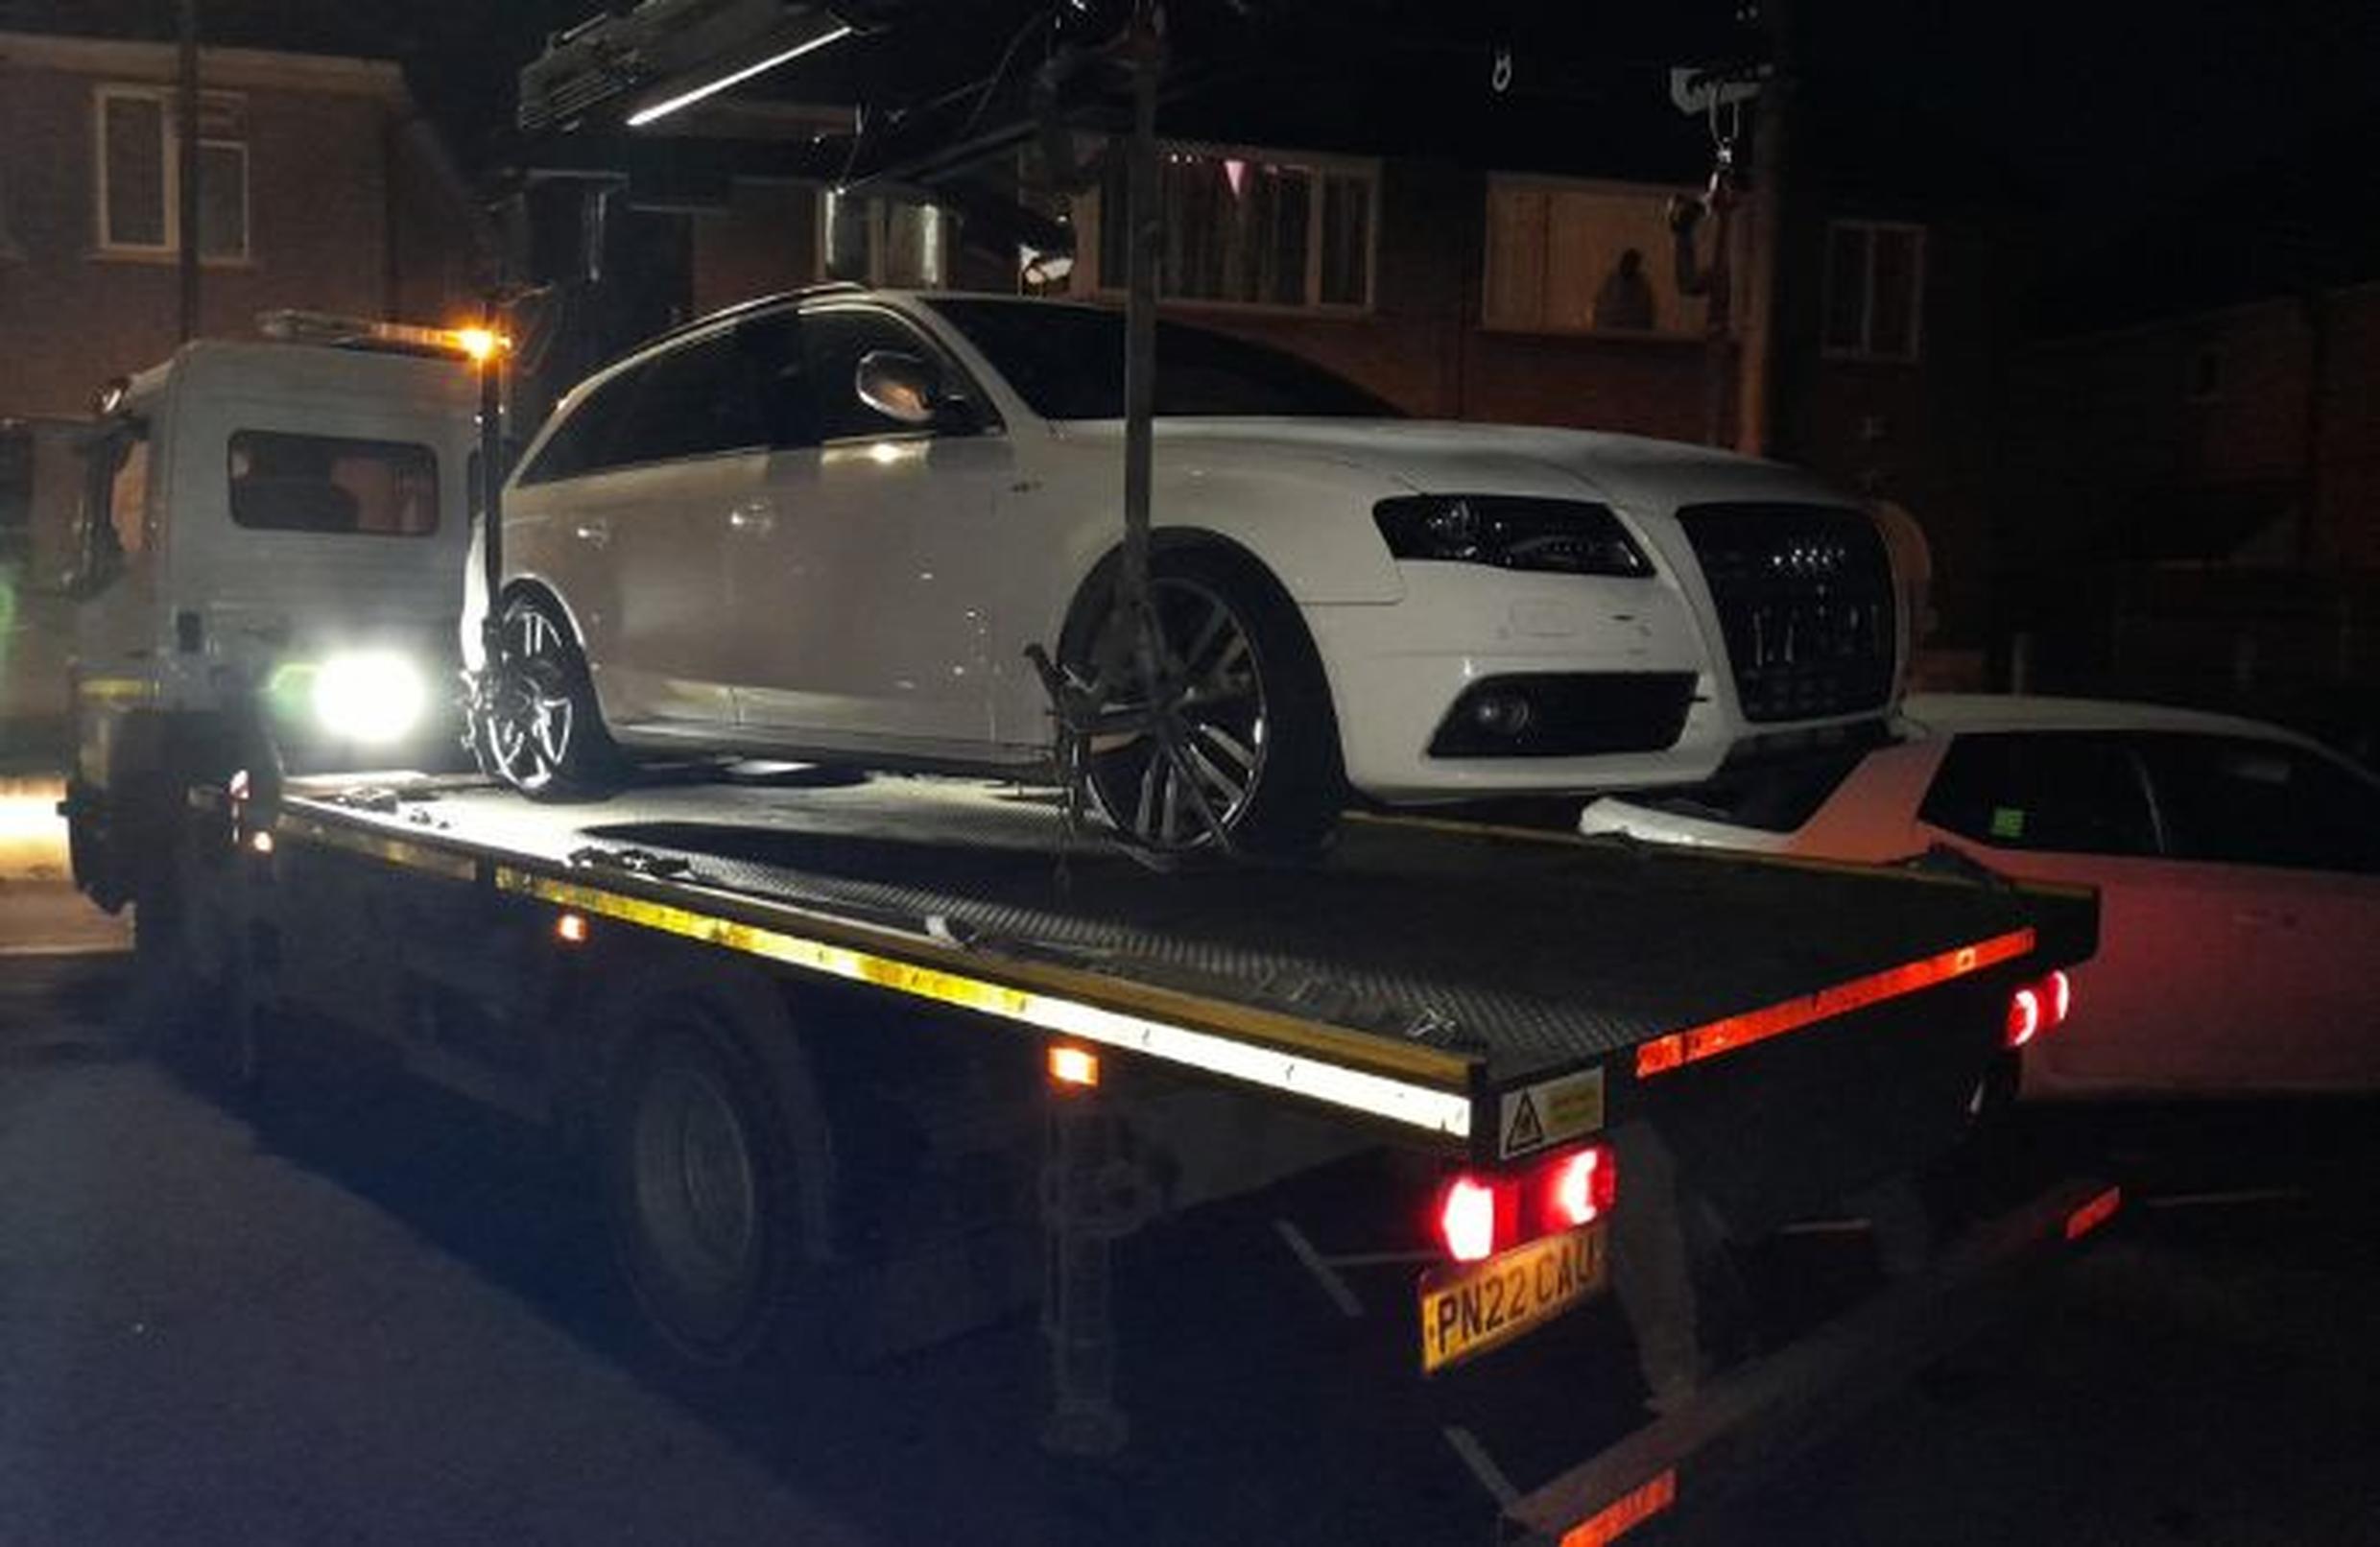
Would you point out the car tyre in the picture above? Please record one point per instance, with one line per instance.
(540, 729)
(1244, 686)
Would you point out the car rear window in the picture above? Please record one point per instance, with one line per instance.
(332, 485)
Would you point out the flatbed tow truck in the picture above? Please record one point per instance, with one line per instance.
(884, 1058)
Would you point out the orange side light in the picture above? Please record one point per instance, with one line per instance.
(2094, 1214)
(570, 929)
(1074, 1067)
(1725, 1035)
(261, 841)
(1624, 1514)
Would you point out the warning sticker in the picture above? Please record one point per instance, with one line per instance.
(1550, 1112)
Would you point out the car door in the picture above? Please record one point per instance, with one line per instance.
(644, 535)
(2073, 806)
(865, 590)
(2272, 889)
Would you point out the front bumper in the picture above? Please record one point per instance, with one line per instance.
(1398, 669)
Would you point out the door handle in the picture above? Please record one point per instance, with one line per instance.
(755, 519)
(2265, 917)
(595, 533)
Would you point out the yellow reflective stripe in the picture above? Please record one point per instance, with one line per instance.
(392, 851)
(117, 689)
(1435, 1108)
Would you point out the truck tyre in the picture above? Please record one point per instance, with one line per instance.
(1243, 684)
(716, 1219)
(542, 732)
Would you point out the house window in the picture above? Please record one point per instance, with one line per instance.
(139, 162)
(1578, 257)
(1252, 228)
(1875, 289)
(882, 244)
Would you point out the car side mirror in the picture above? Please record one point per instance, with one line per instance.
(900, 387)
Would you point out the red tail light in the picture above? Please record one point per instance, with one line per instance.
(2024, 1016)
(1479, 1216)
(2038, 1007)
(1579, 1188)
(1466, 1218)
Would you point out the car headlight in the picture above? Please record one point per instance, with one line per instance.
(1510, 531)
(369, 697)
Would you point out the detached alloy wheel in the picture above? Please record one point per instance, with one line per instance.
(1239, 720)
(541, 731)
(701, 1183)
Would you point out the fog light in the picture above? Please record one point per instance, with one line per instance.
(1502, 714)
(374, 698)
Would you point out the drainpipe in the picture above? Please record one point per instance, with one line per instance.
(186, 114)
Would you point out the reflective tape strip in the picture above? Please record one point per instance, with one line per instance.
(392, 850)
(1624, 1514)
(117, 689)
(1433, 1109)
(1678, 1049)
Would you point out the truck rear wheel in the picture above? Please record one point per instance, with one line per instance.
(713, 1213)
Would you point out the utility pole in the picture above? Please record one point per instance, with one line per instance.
(187, 168)
(1140, 330)
(1755, 402)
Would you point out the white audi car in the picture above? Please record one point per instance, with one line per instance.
(829, 525)
(2237, 866)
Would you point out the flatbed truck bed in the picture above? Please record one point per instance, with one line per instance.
(1750, 1039)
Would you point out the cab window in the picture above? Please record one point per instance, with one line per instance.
(2238, 800)
(128, 495)
(332, 485)
(2065, 792)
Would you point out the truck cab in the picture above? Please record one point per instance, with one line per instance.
(270, 522)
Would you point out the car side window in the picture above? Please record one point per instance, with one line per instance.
(2072, 792)
(834, 341)
(2239, 800)
(776, 376)
(588, 440)
(695, 400)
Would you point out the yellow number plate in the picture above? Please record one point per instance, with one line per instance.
(1473, 1307)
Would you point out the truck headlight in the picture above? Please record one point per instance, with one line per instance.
(370, 697)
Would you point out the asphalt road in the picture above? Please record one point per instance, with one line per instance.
(352, 1310)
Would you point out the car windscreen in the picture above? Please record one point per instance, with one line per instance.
(1067, 363)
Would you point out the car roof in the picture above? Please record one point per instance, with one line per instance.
(1961, 713)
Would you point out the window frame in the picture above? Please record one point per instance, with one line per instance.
(169, 136)
(1867, 348)
(1092, 280)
